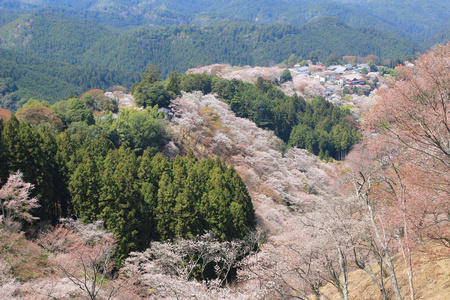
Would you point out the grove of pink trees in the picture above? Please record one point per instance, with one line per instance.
(390, 200)
(281, 184)
(80, 261)
(168, 270)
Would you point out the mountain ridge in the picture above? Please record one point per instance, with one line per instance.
(416, 20)
(179, 47)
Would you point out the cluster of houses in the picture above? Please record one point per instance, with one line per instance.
(342, 75)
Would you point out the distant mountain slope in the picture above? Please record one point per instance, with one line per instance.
(442, 37)
(50, 80)
(415, 19)
(181, 47)
(177, 48)
(51, 36)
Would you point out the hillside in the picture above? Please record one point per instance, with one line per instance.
(416, 20)
(432, 279)
(440, 37)
(177, 48)
(24, 77)
(51, 36)
(281, 185)
(291, 149)
(375, 212)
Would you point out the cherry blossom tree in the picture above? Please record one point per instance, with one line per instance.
(401, 171)
(380, 174)
(280, 183)
(316, 250)
(82, 259)
(87, 266)
(365, 175)
(8, 284)
(16, 201)
(169, 269)
(413, 116)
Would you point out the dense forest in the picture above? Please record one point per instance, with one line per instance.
(416, 20)
(179, 47)
(141, 195)
(23, 77)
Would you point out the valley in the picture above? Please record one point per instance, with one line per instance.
(203, 149)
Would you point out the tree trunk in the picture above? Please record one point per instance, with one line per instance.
(385, 251)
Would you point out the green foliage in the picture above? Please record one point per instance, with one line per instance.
(332, 59)
(387, 71)
(78, 129)
(196, 82)
(68, 37)
(33, 152)
(151, 75)
(137, 129)
(292, 60)
(313, 57)
(406, 16)
(7, 85)
(179, 47)
(373, 66)
(35, 103)
(285, 76)
(173, 84)
(120, 201)
(78, 111)
(147, 198)
(151, 95)
(23, 78)
(151, 90)
(141, 196)
(85, 186)
(303, 63)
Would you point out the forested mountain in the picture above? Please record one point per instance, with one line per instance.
(442, 37)
(51, 56)
(179, 47)
(25, 77)
(417, 20)
(124, 36)
(51, 36)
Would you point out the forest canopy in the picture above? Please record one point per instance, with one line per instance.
(112, 169)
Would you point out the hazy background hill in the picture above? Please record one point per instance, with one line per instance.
(414, 19)
(23, 77)
(179, 47)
